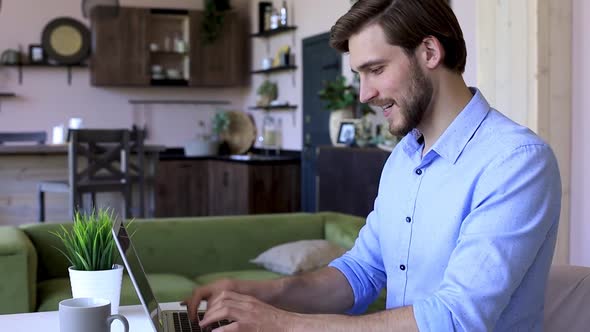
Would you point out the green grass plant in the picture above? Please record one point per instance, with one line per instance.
(89, 244)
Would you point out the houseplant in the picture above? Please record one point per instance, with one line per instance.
(90, 249)
(341, 99)
(267, 92)
(213, 18)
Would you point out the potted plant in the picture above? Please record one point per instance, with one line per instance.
(213, 18)
(267, 92)
(90, 249)
(341, 99)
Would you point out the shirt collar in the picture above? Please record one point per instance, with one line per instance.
(454, 139)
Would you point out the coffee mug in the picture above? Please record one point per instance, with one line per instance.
(75, 123)
(87, 314)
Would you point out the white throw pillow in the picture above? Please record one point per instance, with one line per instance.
(299, 256)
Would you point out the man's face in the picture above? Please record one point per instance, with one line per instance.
(390, 79)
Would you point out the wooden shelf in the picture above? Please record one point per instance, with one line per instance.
(177, 102)
(45, 65)
(273, 70)
(274, 107)
(169, 82)
(7, 94)
(269, 33)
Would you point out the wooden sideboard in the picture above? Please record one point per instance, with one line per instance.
(349, 178)
(221, 186)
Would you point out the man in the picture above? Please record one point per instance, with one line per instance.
(464, 225)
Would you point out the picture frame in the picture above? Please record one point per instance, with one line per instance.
(36, 54)
(346, 132)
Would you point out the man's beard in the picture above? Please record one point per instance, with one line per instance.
(415, 104)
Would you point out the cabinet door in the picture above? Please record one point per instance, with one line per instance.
(119, 47)
(182, 188)
(275, 188)
(223, 62)
(228, 188)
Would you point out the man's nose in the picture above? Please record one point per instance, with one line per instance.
(367, 92)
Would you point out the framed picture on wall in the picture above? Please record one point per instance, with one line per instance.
(36, 54)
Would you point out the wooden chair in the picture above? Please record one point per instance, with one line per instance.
(38, 137)
(99, 161)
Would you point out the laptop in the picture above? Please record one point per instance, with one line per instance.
(162, 320)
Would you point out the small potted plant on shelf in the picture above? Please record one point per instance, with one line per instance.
(89, 247)
(267, 92)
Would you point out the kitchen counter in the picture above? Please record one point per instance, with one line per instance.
(251, 158)
(52, 149)
(23, 167)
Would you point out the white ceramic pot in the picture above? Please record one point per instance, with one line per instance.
(335, 118)
(104, 284)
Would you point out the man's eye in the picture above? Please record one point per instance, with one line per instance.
(377, 70)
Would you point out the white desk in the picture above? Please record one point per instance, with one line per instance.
(49, 321)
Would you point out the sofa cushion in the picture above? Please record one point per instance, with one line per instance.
(166, 287)
(244, 275)
(299, 256)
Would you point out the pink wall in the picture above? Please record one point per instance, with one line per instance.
(45, 99)
(580, 209)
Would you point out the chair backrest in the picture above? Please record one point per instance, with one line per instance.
(38, 137)
(105, 153)
(137, 138)
(567, 299)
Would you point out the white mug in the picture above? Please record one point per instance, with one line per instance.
(75, 123)
(87, 314)
(58, 135)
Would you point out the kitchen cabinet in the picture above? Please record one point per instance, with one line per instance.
(349, 178)
(218, 186)
(127, 47)
(119, 47)
(182, 188)
(223, 62)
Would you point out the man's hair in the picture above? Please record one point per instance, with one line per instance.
(406, 23)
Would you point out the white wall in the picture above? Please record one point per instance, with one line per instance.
(580, 209)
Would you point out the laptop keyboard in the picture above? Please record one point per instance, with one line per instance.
(183, 324)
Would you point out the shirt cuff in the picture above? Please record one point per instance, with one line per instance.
(432, 315)
(364, 292)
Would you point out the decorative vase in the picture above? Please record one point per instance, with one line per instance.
(335, 118)
(104, 284)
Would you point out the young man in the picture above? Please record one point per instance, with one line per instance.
(464, 226)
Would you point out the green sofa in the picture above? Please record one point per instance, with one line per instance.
(177, 254)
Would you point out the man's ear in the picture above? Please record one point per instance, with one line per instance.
(432, 52)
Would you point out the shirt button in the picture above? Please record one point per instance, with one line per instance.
(408, 219)
(402, 267)
(419, 171)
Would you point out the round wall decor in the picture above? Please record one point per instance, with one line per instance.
(66, 41)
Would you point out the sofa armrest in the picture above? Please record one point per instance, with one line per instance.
(18, 271)
(342, 229)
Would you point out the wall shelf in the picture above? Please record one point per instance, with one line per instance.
(177, 102)
(269, 33)
(274, 107)
(274, 69)
(44, 65)
(7, 94)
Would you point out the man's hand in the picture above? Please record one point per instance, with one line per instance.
(247, 313)
(208, 293)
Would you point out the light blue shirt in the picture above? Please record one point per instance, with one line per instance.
(465, 234)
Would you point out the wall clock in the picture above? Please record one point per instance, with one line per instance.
(66, 41)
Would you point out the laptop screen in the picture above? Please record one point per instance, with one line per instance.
(136, 273)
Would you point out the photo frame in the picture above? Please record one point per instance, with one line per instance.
(346, 132)
(36, 54)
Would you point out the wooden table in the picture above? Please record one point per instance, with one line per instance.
(49, 321)
(22, 167)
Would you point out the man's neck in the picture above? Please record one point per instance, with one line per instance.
(449, 98)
